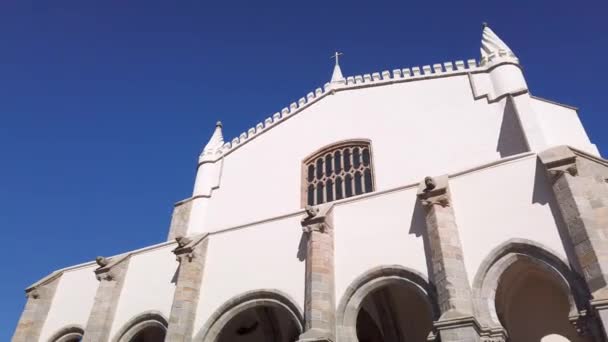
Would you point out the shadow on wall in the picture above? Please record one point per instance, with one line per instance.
(543, 195)
(511, 139)
(418, 229)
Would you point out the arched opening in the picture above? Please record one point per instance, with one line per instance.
(68, 334)
(387, 303)
(261, 315)
(147, 327)
(393, 313)
(260, 323)
(532, 304)
(150, 334)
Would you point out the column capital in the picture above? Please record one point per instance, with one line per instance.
(105, 271)
(187, 247)
(317, 218)
(434, 191)
(559, 160)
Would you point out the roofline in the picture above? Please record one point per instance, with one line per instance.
(554, 102)
(447, 69)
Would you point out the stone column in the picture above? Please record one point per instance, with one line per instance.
(457, 322)
(111, 275)
(580, 188)
(191, 255)
(319, 306)
(39, 299)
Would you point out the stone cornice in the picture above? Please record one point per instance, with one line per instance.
(30, 291)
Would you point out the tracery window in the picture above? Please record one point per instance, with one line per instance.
(338, 171)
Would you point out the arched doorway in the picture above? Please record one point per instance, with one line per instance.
(533, 305)
(266, 315)
(387, 304)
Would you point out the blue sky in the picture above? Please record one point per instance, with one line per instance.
(105, 105)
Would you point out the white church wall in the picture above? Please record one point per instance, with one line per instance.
(415, 128)
(377, 231)
(496, 204)
(149, 286)
(562, 126)
(262, 256)
(72, 302)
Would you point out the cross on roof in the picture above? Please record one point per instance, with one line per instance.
(336, 56)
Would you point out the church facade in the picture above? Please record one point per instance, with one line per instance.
(442, 203)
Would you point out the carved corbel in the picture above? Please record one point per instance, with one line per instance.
(186, 247)
(316, 219)
(105, 269)
(559, 161)
(33, 294)
(434, 191)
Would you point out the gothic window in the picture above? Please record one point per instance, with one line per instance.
(338, 171)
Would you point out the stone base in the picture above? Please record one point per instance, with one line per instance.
(317, 335)
(461, 329)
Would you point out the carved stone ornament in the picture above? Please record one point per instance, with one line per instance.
(434, 191)
(34, 294)
(101, 261)
(186, 247)
(559, 161)
(316, 219)
(108, 276)
(182, 241)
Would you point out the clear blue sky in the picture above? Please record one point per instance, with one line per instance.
(105, 105)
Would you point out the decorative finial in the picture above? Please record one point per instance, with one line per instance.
(215, 143)
(492, 47)
(337, 76)
(484, 25)
(218, 124)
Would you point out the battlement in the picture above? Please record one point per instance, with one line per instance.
(353, 82)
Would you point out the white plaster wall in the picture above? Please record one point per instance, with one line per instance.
(562, 126)
(500, 203)
(149, 286)
(377, 231)
(416, 128)
(73, 301)
(263, 256)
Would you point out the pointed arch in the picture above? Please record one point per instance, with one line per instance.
(148, 319)
(352, 299)
(267, 297)
(501, 258)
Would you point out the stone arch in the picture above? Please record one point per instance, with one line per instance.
(139, 323)
(267, 297)
(352, 299)
(68, 334)
(501, 258)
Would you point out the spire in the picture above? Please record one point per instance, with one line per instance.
(214, 146)
(492, 46)
(337, 76)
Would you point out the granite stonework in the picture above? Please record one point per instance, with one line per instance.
(39, 299)
(191, 255)
(320, 304)
(111, 275)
